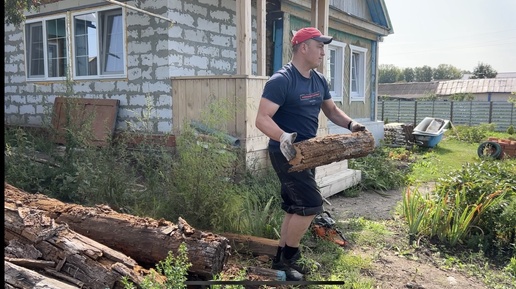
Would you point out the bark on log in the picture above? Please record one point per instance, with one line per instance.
(146, 240)
(19, 277)
(80, 261)
(252, 245)
(331, 148)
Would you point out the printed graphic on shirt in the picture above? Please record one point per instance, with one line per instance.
(310, 97)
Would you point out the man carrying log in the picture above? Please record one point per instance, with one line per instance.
(289, 112)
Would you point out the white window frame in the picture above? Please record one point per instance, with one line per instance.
(100, 44)
(337, 91)
(28, 43)
(358, 75)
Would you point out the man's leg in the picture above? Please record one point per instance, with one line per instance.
(296, 229)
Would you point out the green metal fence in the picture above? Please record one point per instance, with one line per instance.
(471, 113)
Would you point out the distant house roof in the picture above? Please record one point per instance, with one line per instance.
(506, 75)
(484, 85)
(407, 89)
(411, 90)
(498, 75)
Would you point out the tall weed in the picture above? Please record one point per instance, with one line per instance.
(379, 172)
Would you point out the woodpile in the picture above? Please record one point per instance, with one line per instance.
(331, 148)
(51, 244)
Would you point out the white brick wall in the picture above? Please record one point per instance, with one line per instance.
(201, 42)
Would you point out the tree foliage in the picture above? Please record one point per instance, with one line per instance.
(14, 10)
(483, 70)
(408, 74)
(447, 72)
(389, 73)
(423, 74)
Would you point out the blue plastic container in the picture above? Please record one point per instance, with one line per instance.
(429, 132)
(426, 140)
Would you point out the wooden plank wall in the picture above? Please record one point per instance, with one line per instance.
(192, 95)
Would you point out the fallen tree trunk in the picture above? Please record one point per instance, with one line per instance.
(252, 245)
(146, 240)
(318, 151)
(19, 277)
(66, 255)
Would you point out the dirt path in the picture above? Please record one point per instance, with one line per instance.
(390, 269)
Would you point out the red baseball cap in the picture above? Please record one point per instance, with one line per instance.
(310, 33)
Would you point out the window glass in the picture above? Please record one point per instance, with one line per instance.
(357, 73)
(355, 57)
(331, 68)
(35, 53)
(85, 44)
(113, 43)
(334, 69)
(56, 47)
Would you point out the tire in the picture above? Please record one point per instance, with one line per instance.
(490, 149)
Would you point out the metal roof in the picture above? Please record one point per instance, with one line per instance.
(447, 87)
(484, 85)
(407, 89)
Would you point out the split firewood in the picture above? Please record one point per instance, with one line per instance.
(323, 150)
(146, 240)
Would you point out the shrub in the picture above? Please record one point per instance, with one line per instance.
(471, 134)
(379, 171)
(173, 268)
(476, 184)
(200, 181)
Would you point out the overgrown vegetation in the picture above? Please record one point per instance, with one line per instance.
(201, 181)
(174, 269)
(472, 210)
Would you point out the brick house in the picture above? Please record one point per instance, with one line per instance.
(210, 49)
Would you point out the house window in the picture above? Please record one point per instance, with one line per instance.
(357, 73)
(335, 71)
(99, 44)
(46, 51)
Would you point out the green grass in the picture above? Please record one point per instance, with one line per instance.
(449, 155)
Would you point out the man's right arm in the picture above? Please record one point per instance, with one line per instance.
(264, 121)
(266, 124)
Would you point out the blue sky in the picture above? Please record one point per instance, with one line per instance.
(461, 33)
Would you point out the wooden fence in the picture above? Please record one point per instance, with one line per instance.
(470, 113)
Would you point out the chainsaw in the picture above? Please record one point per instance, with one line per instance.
(323, 226)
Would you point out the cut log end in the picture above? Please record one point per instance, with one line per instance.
(331, 148)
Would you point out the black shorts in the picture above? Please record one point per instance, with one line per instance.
(299, 190)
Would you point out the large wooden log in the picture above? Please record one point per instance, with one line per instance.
(19, 277)
(331, 148)
(146, 240)
(69, 256)
(252, 245)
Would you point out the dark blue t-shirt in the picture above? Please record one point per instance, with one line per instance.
(300, 100)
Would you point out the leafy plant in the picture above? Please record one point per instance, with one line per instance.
(378, 172)
(475, 203)
(414, 210)
(173, 268)
(471, 134)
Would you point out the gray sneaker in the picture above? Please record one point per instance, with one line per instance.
(299, 265)
(291, 274)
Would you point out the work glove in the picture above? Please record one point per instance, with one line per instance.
(286, 147)
(355, 126)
